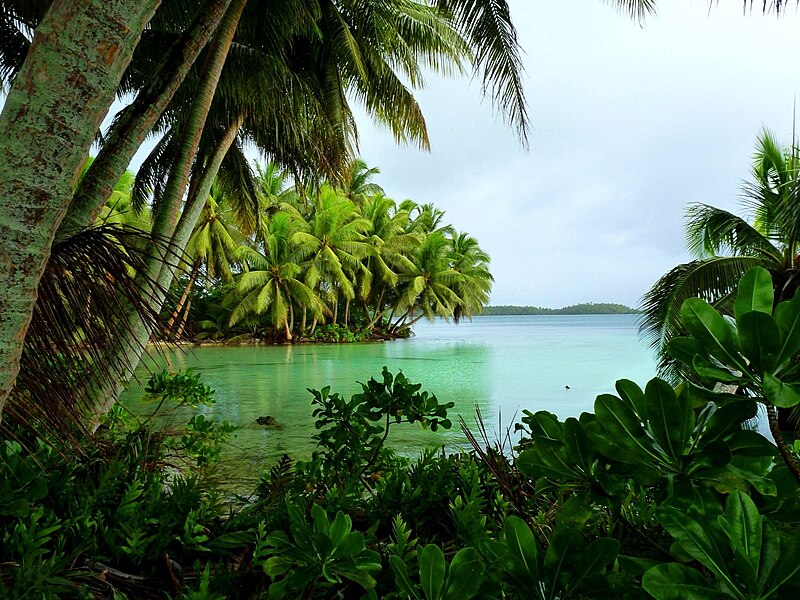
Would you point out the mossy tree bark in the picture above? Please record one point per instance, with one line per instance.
(51, 115)
(138, 119)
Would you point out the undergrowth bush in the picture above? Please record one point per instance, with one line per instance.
(661, 492)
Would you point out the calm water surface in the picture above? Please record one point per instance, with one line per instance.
(500, 364)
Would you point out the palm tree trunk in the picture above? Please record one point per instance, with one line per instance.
(288, 331)
(347, 313)
(166, 219)
(49, 119)
(303, 322)
(184, 319)
(336, 307)
(137, 121)
(777, 435)
(168, 225)
(184, 296)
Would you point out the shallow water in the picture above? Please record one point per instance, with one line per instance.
(500, 364)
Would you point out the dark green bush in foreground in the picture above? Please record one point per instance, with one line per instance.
(662, 492)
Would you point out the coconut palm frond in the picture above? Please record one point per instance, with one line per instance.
(153, 172)
(239, 185)
(713, 279)
(638, 10)
(711, 231)
(92, 282)
(487, 27)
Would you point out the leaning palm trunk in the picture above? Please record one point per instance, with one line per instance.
(139, 333)
(137, 121)
(170, 223)
(184, 296)
(184, 320)
(48, 123)
(166, 218)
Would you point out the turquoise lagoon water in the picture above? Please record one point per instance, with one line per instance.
(499, 364)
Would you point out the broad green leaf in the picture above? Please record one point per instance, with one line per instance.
(709, 371)
(787, 315)
(401, 578)
(743, 526)
(684, 349)
(465, 575)
(673, 581)
(522, 547)
(320, 518)
(709, 328)
(624, 431)
(670, 419)
(748, 444)
(780, 394)
(759, 339)
(545, 424)
(770, 555)
(432, 571)
(787, 567)
(596, 556)
(360, 576)
(277, 566)
(632, 394)
(726, 419)
(564, 546)
(577, 446)
(694, 538)
(339, 528)
(754, 293)
(575, 512)
(636, 565)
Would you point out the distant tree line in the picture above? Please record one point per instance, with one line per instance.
(587, 308)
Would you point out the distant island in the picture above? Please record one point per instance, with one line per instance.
(590, 308)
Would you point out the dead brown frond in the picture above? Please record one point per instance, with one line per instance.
(93, 293)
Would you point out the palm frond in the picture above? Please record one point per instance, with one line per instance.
(712, 231)
(78, 336)
(638, 10)
(487, 26)
(712, 279)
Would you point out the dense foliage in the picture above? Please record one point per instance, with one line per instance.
(661, 492)
(336, 264)
(588, 308)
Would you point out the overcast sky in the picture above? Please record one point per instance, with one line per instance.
(630, 124)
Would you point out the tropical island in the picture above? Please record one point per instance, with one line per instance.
(663, 490)
(587, 308)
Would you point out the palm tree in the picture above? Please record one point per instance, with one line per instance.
(214, 244)
(426, 218)
(726, 246)
(357, 182)
(475, 283)
(336, 235)
(272, 282)
(391, 247)
(429, 288)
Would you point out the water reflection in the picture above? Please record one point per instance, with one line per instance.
(501, 364)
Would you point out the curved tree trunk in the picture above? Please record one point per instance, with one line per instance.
(194, 207)
(50, 117)
(777, 435)
(169, 223)
(166, 219)
(184, 319)
(186, 291)
(137, 121)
